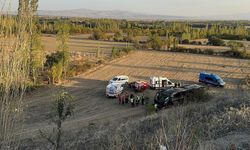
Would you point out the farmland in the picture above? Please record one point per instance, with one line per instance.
(81, 43)
(89, 89)
(55, 73)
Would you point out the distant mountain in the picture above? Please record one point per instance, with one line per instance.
(117, 14)
(242, 16)
(112, 14)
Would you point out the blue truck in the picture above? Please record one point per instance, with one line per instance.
(212, 79)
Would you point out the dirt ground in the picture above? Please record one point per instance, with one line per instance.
(91, 105)
(80, 43)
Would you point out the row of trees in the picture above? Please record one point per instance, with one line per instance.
(181, 30)
(22, 59)
(19, 47)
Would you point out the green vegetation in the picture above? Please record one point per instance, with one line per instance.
(77, 68)
(55, 65)
(180, 30)
(215, 41)
(120, 52)
(155, 42)
(62, 110)
(18, 63)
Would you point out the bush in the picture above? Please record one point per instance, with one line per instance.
(215, 41)
(235, 45)
(98, 35)
(237, 54)
(79, 67)
(119, 52)
(209, 52)
(118, 37)
(54, 58)
(232, 37)
(185, 41)
(156, 42)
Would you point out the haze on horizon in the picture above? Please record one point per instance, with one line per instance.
(160, 7)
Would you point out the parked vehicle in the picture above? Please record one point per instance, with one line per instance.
(119, 80)
(212, 79)
(114, 89)
(139, 86)
(160, 82)
(166, 97)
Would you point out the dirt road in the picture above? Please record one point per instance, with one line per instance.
(91, 105)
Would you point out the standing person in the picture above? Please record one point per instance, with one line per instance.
(126, 97)
(132, 100)
(119, 98)
(123, 99)
(137, 100)
(142, 99)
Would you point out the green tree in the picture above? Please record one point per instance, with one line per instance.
(62, 110)
(62, 40)
(98, 35)
(37, 56)
(155, 42)
(118, 36)
(54, 63)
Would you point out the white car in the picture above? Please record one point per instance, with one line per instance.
(114, 89)
(119, 80)
(160, 82)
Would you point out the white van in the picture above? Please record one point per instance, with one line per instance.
(114, 89)
(119, 80)
(160, 82)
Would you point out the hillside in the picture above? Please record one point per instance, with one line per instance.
(113, 14)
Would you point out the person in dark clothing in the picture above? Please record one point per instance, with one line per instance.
(142, 99)
(132, 100)
(137, 100)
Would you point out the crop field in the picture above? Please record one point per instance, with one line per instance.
(205, 47)
(91, 105)
(80, 43)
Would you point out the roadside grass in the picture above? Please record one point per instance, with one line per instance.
(184, 127)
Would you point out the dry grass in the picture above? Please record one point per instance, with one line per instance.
(202, 47)
(14, 57)
(93, 108)
(195, 126)
(78, 43)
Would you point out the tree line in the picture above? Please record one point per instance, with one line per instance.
(180, 30)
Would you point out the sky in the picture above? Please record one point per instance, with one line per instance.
(161, 7)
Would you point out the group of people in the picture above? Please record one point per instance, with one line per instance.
(133, 99)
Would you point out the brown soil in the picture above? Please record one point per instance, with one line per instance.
(91, 105)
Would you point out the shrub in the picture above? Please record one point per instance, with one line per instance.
(209, 52)
(156, 42)
(98, 35)
(185, 41)
(215, 41)
(118, 37)
(79, 67)
(237, 54)
(235, 45)
(54, 58)
(119, 52)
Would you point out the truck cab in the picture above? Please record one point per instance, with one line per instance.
(212, 79)
(160, 82)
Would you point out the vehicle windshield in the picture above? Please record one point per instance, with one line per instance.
(220, 80)
(115, 78)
